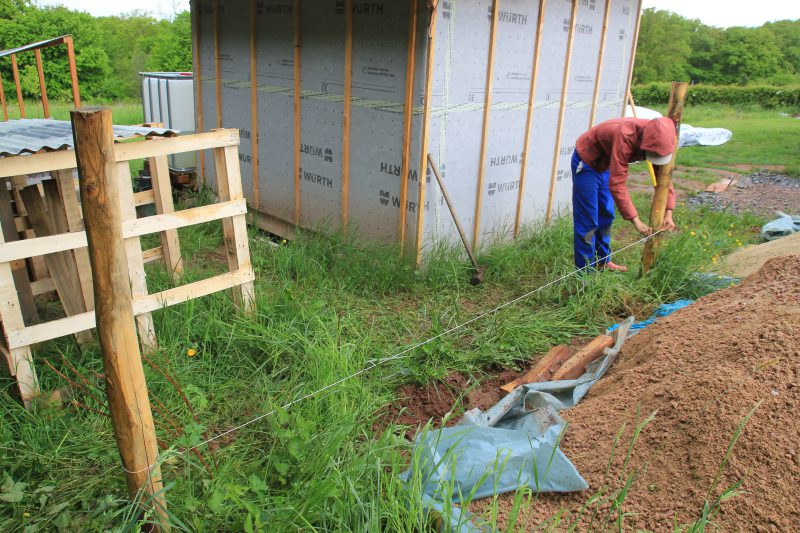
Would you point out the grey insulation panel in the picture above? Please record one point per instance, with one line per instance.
(457, 102)
(203, 27)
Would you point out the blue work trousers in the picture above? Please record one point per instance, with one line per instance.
(592, 214)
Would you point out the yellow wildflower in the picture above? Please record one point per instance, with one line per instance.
(191, 352)
(693, 233)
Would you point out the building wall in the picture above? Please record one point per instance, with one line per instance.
(380, 37)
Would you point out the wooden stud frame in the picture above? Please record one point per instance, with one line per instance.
(198, 85)
(426, 116)
(408, 115)
(529, 120)
(254, 102)
(217, 66)
(297, 95)
(348, 86)
(561, 108)
(599, 72)
(633, 53)
(487, 111)
(231, 210)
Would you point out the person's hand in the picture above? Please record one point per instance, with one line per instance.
(668, 224)
(641, 227)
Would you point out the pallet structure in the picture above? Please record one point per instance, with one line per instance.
(52, 213)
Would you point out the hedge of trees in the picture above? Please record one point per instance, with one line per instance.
(110, 51)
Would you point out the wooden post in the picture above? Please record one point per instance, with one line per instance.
(599, 72)
(348, 92)
(408, 114)
(632, 58)
(8, 230)
(42, 84)
(15, 72)
(3, 100)
(126, 388)
(198, 86)
(217, 67)
(73, 71)
(297, 74)
(162, 195)
(254, 102)
(664, 176)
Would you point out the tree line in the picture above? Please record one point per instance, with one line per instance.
(110, 51)
(672, 47)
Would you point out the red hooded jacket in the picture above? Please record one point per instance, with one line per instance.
(613, 144)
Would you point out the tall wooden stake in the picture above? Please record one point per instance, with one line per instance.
(125, 382)
(664, 176)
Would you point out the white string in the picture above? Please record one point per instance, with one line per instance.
(403, 353)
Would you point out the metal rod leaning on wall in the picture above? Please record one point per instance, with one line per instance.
(562, 106)
(529, 119)
(677, 98)
(599, 72)
(426, 116)
(42, 85)
(15, 72)
(632, 59)
(408, 114)
(348, 85)
(487, 108)
(297, 86)
(126, 387)
(254, 103)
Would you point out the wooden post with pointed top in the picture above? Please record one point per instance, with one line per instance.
(677, 98)
(126, 387)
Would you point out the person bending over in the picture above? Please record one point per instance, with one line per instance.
(599, 175)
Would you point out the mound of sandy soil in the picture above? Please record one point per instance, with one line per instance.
(746, 261)
(700, 370)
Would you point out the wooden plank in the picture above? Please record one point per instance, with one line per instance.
(198, 86)
(131, 228)
(229, 184)
(677, 99)
(348, 83)
(543, 370)
(632, 59)
(537, 43)
(21, 224)
(64, 159)
(217, 67)
(575, 366)
(48, 220)
(562, 106)
(144, 198)
(133, 251)
(254, 101)
(69, 199)
(20, 274)
(297, 89)
(42, 286)
(27, 336)
(73, 71)
(408, 114)
(153, 254)
(487, 108)
(15, 71)
(599, 71)
(3, 100)
(42, 84)
(426, 117)
(126, 386)
(162, 195)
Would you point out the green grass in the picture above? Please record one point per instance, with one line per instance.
(760, 137)
(124, 112)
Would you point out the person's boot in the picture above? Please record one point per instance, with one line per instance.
(612, 267)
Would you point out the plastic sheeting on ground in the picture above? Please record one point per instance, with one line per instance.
(661, 310)
(780, 227)
(691, 136)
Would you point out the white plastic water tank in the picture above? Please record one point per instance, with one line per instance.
(168, 97)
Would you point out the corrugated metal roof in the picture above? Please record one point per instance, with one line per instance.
(34, 135)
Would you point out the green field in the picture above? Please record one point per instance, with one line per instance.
(328, 307)
(124, 112)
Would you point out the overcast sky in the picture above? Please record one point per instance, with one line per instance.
(721, 13)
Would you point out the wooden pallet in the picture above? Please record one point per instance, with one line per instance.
(70, 238)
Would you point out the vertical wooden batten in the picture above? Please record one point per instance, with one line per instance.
(3, 100)
(632, 59)
(198, 84)
(348, 85)
(73, 71)
(599, 71)
(487, 111)
(15, 72)
(297, 86)
(561, 108)
(529, 120)
(254, 102)
(42, 84)
(408, 115)
(217, 66)
(426, 117)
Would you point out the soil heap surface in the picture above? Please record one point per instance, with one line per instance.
(700, 371)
